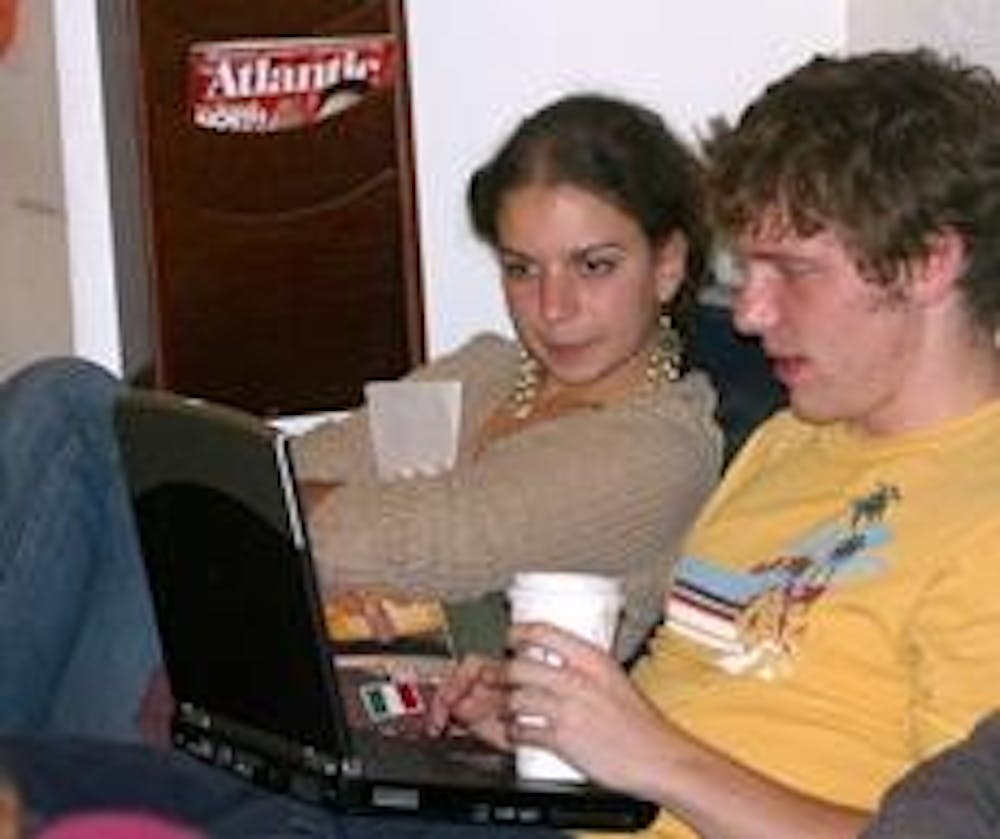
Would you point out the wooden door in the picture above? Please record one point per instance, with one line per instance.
(284, 255)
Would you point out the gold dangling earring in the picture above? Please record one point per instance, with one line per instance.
(522, 398)
(664, 364)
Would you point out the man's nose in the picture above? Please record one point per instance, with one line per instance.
(754, 309)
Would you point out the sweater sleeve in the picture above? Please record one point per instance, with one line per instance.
(608, 490)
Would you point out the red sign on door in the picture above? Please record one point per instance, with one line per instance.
(263, 86)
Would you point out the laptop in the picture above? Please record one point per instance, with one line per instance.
(260, 689)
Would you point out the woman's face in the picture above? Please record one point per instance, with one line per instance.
(582, 282)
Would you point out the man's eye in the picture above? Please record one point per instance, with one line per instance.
(731, 271)
(733, 280)
(796, 270)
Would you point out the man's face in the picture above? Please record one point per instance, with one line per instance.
(845, 348)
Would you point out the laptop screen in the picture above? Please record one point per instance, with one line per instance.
(228, 572)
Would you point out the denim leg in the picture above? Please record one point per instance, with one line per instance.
(77, 637)
(367, 827)
(58, 776)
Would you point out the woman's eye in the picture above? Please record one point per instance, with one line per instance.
(597, 266)
(515, 270)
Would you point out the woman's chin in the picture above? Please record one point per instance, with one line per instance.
(576, 377)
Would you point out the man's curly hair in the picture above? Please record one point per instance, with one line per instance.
(887, 149)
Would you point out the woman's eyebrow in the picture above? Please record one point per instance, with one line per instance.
(512, 253)
(586, 250)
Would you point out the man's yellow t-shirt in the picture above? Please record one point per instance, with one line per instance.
(836, 614)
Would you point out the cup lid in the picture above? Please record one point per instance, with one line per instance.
(566, 582)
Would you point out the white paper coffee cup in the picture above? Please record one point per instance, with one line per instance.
(589, 606)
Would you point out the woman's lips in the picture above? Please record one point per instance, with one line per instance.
(566, 353)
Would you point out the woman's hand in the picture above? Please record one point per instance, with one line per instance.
(315, 493)
(474, 699)
(594, 716)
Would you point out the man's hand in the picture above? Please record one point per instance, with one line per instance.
(473, 698)
(595, 717)
(598, 721)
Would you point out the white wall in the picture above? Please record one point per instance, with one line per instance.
(35, 317)
(96, 333)
(477, 66)
(970, 28)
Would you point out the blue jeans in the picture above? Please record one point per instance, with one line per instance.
(60, 776)
(77, 636)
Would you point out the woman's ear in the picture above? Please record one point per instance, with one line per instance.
(670, 265)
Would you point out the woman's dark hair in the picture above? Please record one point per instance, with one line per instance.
(619, 151)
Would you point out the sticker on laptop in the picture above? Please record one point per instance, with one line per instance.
(384, 701)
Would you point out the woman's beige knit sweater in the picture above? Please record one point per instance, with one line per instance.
(610, 489)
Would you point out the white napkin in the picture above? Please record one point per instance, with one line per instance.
(414, 426)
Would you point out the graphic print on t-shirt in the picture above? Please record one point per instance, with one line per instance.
(753, 619)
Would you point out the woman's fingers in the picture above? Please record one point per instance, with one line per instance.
(314, 493)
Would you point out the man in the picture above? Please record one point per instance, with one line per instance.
(833, 619)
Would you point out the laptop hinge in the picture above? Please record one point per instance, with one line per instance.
(252, 744)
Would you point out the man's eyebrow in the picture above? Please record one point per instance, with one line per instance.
(774, 256)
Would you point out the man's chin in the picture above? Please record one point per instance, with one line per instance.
(812, 411)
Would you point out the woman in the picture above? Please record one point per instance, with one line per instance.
(589, 449)
(586, 447)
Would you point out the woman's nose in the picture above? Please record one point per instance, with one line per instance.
(557, 296)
